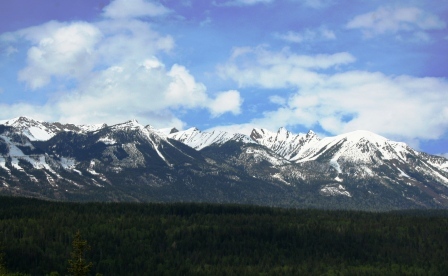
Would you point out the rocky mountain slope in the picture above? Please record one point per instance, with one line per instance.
(131, 162)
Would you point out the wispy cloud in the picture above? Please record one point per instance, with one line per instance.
(307, 35)
(121, 9)
(276, 99)
(261, 67)
(392, 20)
(10, 50)
(317, 4)
(207, 21)
(241, 2)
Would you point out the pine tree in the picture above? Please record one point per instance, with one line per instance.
(78, 265)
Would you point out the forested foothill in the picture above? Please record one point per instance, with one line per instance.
(211, 239)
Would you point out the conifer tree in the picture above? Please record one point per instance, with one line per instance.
(78, 265)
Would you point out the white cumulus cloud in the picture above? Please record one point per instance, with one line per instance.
(59, 50)
(229, 101)
(401, 107)
(115, 71)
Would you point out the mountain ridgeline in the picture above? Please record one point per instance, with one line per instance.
(135, 163)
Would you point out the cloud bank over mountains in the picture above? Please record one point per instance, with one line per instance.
(113, 67)
(235, 64)
(341, 100)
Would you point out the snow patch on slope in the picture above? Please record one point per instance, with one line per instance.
(16, 154)
(279, 177)
(3, 164)
(68, 163)
(39, 134)
(107, 140)
(334, 190)
(402, 173)
(334, 163)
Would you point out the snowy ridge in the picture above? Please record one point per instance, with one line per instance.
(36, 130)
(363, 149)
(89, 128)
(156, 138)
(287, 167)
(283, 142)
(129, 125)
(166, 131)
(358, 146)
(198, 140)
(437, 161)
(152, 135)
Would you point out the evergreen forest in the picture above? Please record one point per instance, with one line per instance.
(37, 238)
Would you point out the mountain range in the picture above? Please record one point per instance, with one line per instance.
(131, 162)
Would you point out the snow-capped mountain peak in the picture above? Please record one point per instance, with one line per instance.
(359, 165)
(357, 146)
(360, 135)
(18, 121)
(128, 125)
(311, 133)
(41, 131)
(283, 134)
(198, 140)
(33, 129)
(283, 142)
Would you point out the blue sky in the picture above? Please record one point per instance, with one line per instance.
(332, 66)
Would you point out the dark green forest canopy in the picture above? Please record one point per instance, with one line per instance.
(204, 239)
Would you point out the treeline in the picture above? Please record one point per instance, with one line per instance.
(206, 239)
